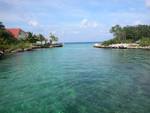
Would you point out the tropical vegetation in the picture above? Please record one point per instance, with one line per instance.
(53, 38)
(8, 43)
(130, 34)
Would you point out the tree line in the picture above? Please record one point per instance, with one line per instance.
(7, 41)
(130, 34)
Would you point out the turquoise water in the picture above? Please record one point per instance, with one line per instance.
(76, 79)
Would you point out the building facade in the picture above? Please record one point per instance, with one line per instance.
(18, 33)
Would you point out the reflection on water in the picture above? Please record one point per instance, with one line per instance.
(76, 79)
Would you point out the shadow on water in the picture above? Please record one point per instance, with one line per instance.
(3, 57)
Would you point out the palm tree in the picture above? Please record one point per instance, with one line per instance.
(119, 32)
(53, 38)
(41, 38)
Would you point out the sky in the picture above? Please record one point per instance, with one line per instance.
(74, 20)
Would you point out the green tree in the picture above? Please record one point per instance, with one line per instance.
(30, 35)
(145, 41)
(32, 38)
(2, 26)
(129, 34)
(41, 38)
(6, 39)
(6, 36)
(53, 38)
(116, 30)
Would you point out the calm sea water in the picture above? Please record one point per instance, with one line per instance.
(76, 79)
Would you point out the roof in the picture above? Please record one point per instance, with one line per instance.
(15, 32)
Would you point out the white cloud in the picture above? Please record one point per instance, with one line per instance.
(147, 2)
(129, 18)
(75, 32)
(85, 23)
(137, 22)
(33, 23)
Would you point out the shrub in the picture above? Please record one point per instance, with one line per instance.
(111, 41)
(145, 41)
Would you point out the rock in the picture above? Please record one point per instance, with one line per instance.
(1, 53)
(97, 45)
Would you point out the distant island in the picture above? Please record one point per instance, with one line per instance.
(14, 40)
(128, 37)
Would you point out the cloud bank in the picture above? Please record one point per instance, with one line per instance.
(74, 20)
(147, 2)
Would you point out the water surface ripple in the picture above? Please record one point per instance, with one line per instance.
(76, 79)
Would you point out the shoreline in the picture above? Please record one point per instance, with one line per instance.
(32, 48)
(121, 46)
(10, 52)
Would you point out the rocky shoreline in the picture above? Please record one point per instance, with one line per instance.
(32, 48)
(122, 46)
(9, 52)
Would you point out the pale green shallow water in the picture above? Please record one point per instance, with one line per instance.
(76, 79)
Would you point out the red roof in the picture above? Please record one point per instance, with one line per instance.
(15, 32)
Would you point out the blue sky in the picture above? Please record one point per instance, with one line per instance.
(74, 20)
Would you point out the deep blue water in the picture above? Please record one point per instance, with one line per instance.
(76, 79)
